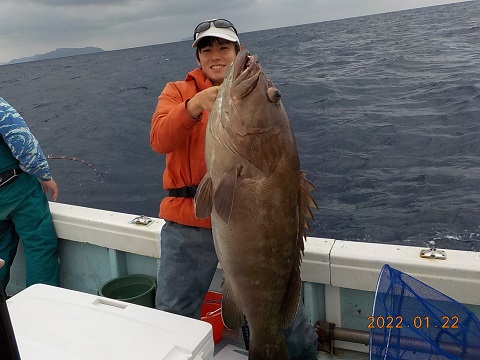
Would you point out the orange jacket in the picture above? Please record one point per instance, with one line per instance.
(182, 139)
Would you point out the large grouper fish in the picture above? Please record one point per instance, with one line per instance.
(259, 201)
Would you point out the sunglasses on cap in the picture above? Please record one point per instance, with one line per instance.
(218, 23)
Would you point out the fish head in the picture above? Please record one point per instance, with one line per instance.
(248, 118)
(252, 102)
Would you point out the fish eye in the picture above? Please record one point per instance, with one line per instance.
(273, 95)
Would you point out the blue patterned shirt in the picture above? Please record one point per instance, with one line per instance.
(21, 142)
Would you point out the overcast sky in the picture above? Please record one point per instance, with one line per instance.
(30, 27)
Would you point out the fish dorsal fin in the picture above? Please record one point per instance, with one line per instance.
(292, 295)
(306, 202)
(203, 198)
(291, 300)
(225, 192)
(232, 314)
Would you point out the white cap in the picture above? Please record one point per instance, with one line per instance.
(223, 33)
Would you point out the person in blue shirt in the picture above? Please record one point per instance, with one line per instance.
(25, 178)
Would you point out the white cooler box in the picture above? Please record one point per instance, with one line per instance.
(54, 323)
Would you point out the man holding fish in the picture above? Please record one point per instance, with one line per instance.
(188, 257)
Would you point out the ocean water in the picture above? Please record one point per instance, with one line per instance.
(385, 109)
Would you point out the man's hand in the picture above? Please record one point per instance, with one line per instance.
(50, 185)
(203, 100)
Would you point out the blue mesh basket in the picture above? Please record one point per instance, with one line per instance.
(411, 320)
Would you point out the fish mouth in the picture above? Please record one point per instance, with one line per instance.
(246, 74)
(245, 66)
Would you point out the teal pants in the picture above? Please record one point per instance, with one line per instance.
(25, 215)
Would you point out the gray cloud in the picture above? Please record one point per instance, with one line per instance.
(29, 27)
(79, 3)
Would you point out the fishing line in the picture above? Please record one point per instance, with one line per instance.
(63, 157)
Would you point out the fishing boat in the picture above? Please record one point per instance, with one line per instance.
(340, 279)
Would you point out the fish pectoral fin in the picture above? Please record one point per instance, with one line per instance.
(203, 198)
(232, 314)
(225, 192)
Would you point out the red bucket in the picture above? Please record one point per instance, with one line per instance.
(211, 312)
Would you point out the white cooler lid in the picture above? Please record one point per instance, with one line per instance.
(54, 323)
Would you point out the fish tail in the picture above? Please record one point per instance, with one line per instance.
(274, 349)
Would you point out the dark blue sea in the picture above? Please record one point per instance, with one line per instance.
(385, 109)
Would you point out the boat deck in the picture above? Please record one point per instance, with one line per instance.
(232, 347)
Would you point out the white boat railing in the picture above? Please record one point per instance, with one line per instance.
(339, 276)
(344, 264)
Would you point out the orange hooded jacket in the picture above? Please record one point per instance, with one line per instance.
(182, 139)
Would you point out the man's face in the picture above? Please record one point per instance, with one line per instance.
(215, 59)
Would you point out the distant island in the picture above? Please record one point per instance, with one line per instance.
(60, 52)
